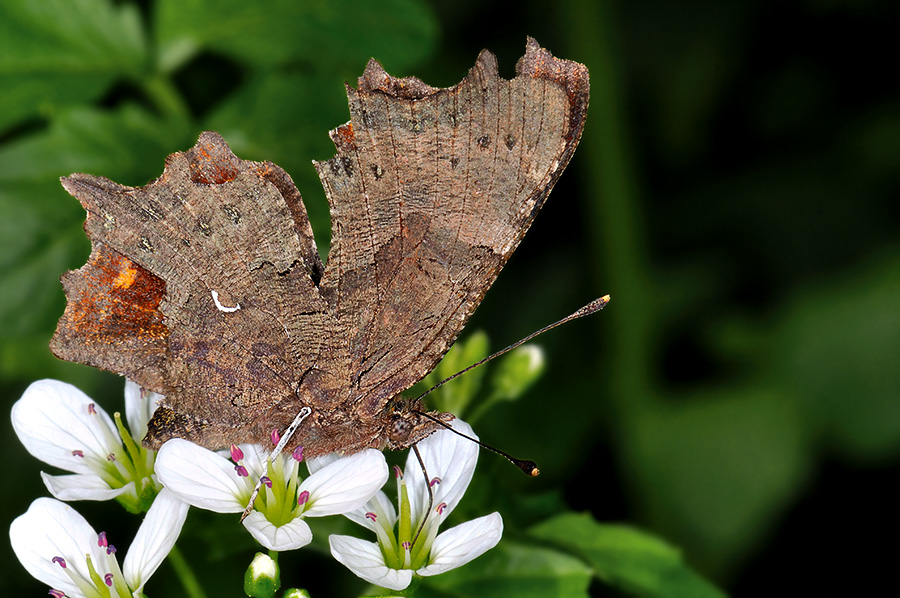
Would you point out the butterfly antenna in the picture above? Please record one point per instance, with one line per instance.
(527, 466)
(592, 307)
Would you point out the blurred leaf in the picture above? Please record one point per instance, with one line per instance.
(515, 373)
(455, 396)
(513, 569)
(625, 557)
(41, 234)
(128, 145)
(56, 53)
(838, 346)
(715, 472)
(30, 293)
(285, 118)
(282, 31)
(874, 148)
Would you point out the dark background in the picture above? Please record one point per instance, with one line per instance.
(735, 192)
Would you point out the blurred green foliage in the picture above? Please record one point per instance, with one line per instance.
(735, 192)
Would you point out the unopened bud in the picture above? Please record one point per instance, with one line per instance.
(263, 577)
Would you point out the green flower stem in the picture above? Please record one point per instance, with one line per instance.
(615, 214)
(189, 581)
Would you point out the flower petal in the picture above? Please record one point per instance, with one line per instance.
(52, 419)
(139, 407)
(365, 560)
(293, 535)
(381, 506)
(317, 463)
(463, 543)
(50, 528)
(200, 477)
(447, 456)
(345, 484)
(82, 486)
(154, 539)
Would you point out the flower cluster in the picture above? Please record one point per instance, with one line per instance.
(60, 425)
(57, 546)
(63, 427)
(209, 480)
(407, 537)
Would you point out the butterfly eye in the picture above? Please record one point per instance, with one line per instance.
(400, 428)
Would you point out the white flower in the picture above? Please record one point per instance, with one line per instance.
(57, 546)
(208, 480)
(63, 427)
(391, 562)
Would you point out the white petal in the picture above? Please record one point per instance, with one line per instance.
(295, 534)
(317, 463)
(448, 456)
(200, 477)
(255, 459)
(463, 543)
(52, 419)
(365, 560)
(82, 486)
(345, 484)
(139, 407)
(381, 505)
(48, 529)
(154, 539)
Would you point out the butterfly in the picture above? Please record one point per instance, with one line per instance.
(205, 285)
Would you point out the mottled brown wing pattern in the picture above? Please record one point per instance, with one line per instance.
(430, 192)
(211, 234)
(205, 284)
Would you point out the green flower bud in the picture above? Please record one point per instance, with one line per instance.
(263, 577)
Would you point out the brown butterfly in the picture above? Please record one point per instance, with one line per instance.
(205, 285)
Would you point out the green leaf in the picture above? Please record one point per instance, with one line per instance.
(320, 32)
(837, 347)
(515, 373)
(57, 53)
(41, 234)
(455, 396)
(513, 569)
(128, 145)
(255, 118)
(716, 471)
(625, 557)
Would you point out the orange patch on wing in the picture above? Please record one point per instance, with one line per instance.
(345, 133)
(126, 277)
(211, 165)
(111, 298)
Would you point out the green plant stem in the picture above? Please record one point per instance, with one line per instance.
(614, 214)
(189, 581)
